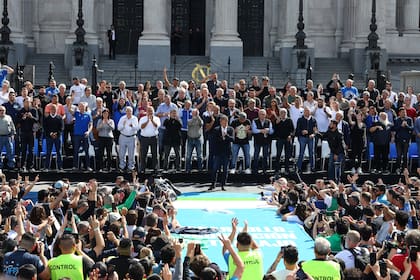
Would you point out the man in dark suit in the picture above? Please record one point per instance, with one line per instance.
(112, 39)
(223, 138)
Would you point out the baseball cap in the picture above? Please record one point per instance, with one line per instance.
(113, 217)
(59, 184)
(242, 115)
(138, 232)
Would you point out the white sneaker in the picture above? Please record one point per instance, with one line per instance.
(232, 171)
(247, 171)
(353, 170)
(359, 170)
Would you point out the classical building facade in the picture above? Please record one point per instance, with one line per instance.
(157, 29)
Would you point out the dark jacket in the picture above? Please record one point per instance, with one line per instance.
(283, 129)
(381, 137)
(305, 124)
(403, 133)
(53, 125)
(223, 145)
(172, 132)
(27, 124)
(335, 141)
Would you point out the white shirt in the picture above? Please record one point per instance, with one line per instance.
(311, 105)
(79, 91)
(347, 257)
(322, 120)
(282, 274)
(90, 100)
(295, 114)
(4, 97)
(149, 130)
(124, 125)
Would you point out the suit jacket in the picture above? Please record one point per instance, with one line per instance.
(223, 145)
(346, 132)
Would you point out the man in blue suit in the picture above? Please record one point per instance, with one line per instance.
(223, 138)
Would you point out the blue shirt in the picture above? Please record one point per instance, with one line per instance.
(3, 75)
(163, 108)
(185, 116)
(81, 123)
(350, 92)
(14, 260)
(50, 91)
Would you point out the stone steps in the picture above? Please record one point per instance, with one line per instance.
(41, 62)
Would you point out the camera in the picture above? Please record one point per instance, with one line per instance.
(388, 245)
(413, 253)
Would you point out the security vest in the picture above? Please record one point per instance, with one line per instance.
(68, 265)
(259, 138)
(253, 262)
(322, 270)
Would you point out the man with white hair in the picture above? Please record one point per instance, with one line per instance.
(321, 267)
(128, 126)
(306, 129)
(82, 128)
(7, 134)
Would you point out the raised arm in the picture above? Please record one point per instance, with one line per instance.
(236, 259)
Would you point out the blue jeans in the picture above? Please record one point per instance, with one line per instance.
(418, 151)
(235, 152)
(335, 167)
(80, 141)
(57, 143)
(8, 143)
(220, 165)
(191, 144)
(257, 149)
(287, 145)
(161, 136)
(303, 142)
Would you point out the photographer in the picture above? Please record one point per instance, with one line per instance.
(29, 252)
(412, 243)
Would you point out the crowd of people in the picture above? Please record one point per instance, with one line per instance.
(207, 125)
(129, 230)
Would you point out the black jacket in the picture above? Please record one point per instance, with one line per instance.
(283, 129)
(222, 145)
(53, 125)
(335, 141)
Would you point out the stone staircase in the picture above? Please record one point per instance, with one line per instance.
(182, 67)
(123, 69)
(326, 67)
(41, 62)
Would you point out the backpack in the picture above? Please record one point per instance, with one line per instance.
(361, 260)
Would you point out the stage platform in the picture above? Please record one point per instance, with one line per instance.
(193, 177)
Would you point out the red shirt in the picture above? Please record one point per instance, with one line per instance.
(398, 261)
(412, 113)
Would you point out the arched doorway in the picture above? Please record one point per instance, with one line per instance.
(128, 22)
(188, 27)
(251, 26)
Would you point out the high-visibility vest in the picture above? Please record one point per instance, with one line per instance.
(322, 270)
(253, 262)
(67, 265)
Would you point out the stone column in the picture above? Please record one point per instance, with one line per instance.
(17, 52)
(411, 16)
(340, 24)
(225, 41)
(391, 16)
(154, 52)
